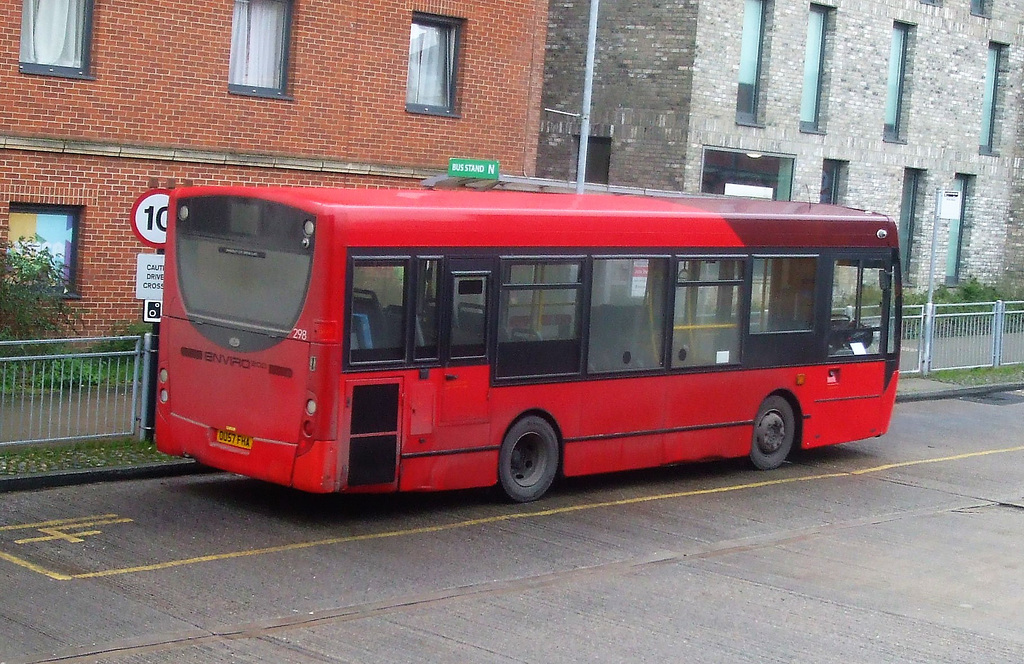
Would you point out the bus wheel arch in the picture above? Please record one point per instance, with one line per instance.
(777, 430)
(529, 458)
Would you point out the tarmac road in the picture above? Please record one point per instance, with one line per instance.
(902, 548)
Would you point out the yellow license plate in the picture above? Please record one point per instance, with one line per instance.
(234, 439)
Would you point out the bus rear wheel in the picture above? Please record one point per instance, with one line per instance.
(528, 459)
(774, 432)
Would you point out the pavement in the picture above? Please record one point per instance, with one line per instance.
(911, 388)
(916, 388)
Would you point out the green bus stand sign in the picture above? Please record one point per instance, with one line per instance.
(484, 169)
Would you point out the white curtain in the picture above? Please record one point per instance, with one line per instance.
(257, 43)
(431, 65)
(53, 32)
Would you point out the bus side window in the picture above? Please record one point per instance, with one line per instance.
(782, 295)
(627, 314)
(706, 327)
(539, 318)
(426, 310)
(857, 300)
(469, 316)
(377, 330)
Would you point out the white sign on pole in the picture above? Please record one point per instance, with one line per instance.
(149, 277)
(949, 208)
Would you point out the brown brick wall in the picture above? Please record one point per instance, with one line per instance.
(160, 78)
(159, 83)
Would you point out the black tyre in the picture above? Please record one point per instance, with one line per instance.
(528, 460)
(774, 433)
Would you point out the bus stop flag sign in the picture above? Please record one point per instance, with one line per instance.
(482, 169)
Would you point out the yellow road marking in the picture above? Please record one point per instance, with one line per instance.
(60, 522)
(34, 568)
(485, 520)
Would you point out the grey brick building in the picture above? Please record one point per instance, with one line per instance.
(874, 104)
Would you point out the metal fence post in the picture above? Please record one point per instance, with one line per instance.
(148, 389)
(998, 320)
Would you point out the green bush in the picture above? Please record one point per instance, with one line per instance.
(969, 291)
(33, 293)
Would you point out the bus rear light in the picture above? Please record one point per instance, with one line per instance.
(163, 375)
(307, 427)
(164, 396)
(311, 407)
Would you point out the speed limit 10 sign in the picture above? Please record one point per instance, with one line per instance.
(149, 218)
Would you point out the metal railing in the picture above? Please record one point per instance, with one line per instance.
(962, 336)
(69, 389)
(73, 389)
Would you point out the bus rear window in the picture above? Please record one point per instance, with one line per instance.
(244, 263)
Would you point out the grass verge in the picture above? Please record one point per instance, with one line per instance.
(81, 455)
(984, 376)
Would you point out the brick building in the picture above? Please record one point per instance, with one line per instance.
(874, 104)
(100, 101)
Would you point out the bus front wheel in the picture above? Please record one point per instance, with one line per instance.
(528, 459)
(774, 431)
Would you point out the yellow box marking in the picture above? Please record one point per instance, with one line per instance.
(68, 530)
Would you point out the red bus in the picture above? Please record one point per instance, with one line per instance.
(408, 340)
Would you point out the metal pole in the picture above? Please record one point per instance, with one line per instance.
(929, 309)
(148, 389)
(588, 89)
(998, 320)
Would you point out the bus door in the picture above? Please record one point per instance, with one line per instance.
(860, 341)
(464, 377)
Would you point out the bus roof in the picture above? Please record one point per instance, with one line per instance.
(424, 218)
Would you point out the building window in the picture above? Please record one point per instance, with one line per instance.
(433, 55)
(599, 159)
(832, 171)
(56, 37)
(50, 228)
(990, 99)
(954, 250)
(751, 62)
(751, 174)
(814, 70)
(259, 47)
(897, 78)
(981, 8)
(912, 179)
